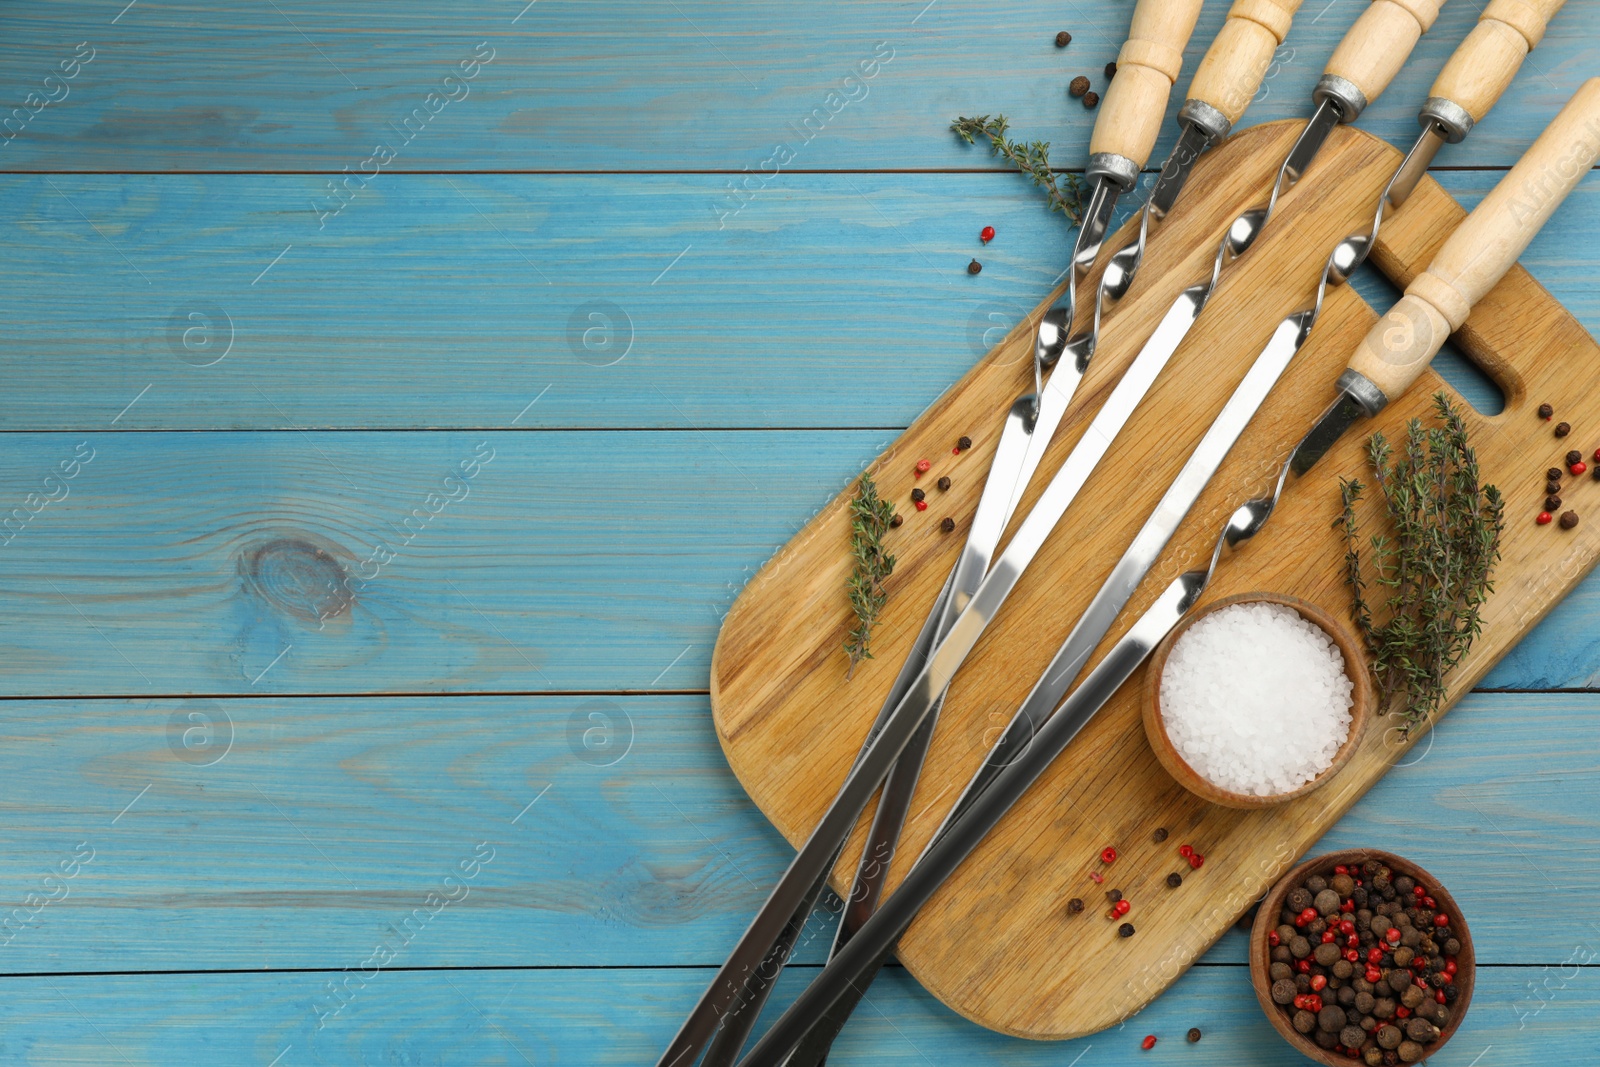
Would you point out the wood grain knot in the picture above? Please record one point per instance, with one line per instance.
(299, 577)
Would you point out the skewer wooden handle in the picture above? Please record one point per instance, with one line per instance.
(1482, 248)
(1486, 61)
(1239, 58)
(1135, 103)
(1375, 48)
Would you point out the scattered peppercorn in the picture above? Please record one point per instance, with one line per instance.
(1563, 428)
(1551, 503)
(1597, 455)
(1074, 906)
(1122, 907)
(1194, 1034)
(1543, 518)
(944, 484)
(1545, 411)
(1148, 1043)
(1063, 39)
(1111, 70)
(1174, 880)
(1579, 467)
(1108, 855)
(1125, 930)
(986, 234)
(974, 267)
(1078, 86)
(1574, 456)
(1554, 474)
(1160, 835)
(1097, 877)
(897, 521)
(1595, 473)
(1569, 519)
(1113, 895)
(918, 495)
(1185, 851)
(1090, 100)
(922, 467)
(1196, 860)
(1552, 488)
(947, 524)
(964, 443)
(922, 505)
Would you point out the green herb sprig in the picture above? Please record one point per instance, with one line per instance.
(1434, 566)
(1032, 159)
(870, 519)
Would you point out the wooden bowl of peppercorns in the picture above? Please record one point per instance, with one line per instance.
(1408, 986)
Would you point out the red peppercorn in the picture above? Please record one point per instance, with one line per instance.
(922, 505)
(1149, 1042)
(1341, 868)
(1352, 942)
(1373, 974)
(1273, 939)
(1303, 966)
(1418, 891)
(1402, 1012)
(1314, 1002)
(1319, 982)
(1122, 908)
(1438, 996)
(1307, 916)
(1196, 860)
(1348, 906)
(1543, 518)
(1185, 851)
(922, 467)
(1374, 954)
(1578, 467)
(1392, 934)
(1441, 919)
(987, 235)
(1347, 927)
(1328, 937)
(1352, 955)
(1450, 966)
(1097, 876)
(1108, 855)
(1429, 902)
(1300, 1002)
(1597, 455)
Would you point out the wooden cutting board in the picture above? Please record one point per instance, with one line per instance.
(996, 944)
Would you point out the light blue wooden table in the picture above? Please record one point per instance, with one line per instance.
(395, 397)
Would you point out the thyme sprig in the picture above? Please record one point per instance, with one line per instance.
(1434, 566)
(870, 519)
(1032, 159)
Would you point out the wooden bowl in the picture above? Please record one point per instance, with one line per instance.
(1267, 920)
(1355, 668)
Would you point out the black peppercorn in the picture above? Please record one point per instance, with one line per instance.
(1594, 472)
(1545, 411)
(1194, 1034)
(1125, 930)
(1074, 906)
(1574, 456)
(965, 443)
(1552, 503)
(1563, 428)
(1552, 488)
(1064, 38)
(918, 496)
(1160, 835)
(947, 524)
(1554, 474)
(1174, 880)
(897, 521)
(1091, 99)
(1569, 519)
(944, 484)
(1113, 895)
(1111, 70)
(974, 267)
(1078, 86)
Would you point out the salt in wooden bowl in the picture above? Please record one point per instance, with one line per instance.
(1355, 668)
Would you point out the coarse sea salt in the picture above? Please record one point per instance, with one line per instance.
(1255, 698)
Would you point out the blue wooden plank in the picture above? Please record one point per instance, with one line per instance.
(669, 85)
(1520, 1015)
(244, 563)
(834, 300)
(282, 832)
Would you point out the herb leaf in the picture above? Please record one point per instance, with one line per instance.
(870, 519)
(1434, 566)
(1031, 159)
